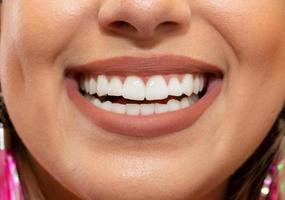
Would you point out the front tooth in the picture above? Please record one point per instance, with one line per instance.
(92, 86)
(107, 105)
(147, 109)
(119, 108)
(173, 105)
(133, 109)
(160, 108)
(102, 85)
(115, 87)
(174, 87)
(134, 88)
(156, 88)
(187, 84)
(184, 103)
(196, 84)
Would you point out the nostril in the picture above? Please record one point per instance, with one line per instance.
(168, 25)
(122, 26)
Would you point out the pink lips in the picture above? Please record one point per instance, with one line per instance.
(144, 126)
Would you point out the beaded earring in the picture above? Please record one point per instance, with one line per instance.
(270, 188)
(274, 185)
(10, 186)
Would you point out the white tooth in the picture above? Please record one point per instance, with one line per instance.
(196, 84)
(173, 105)
(184, 103)
(115, 87)
(107, 105)
(134, 88)
(160, 108)
(86, 84)
(174, 87)
(133, 109)
(119, 108)
(92, 86)
(187, 84)
(102, 85)
(96, 102)
(156, 88)
(202, 83)
(147, 109)
(193, 99)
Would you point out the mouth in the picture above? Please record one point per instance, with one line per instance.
(144, 96)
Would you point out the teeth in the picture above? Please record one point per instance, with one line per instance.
(156, 88)
(174, 87)
(147, 109)
(115, 87)
(184, 103)
(143, 109)
(161, 108)
(193, 99)
(118, 108)
(196, 85)
(187, 84)
(134, 88)
(92, 86)
(202, 83)
(133, 109)
(96, 102)
(173, 105)
(88, 97)
(107, 105)
(102, 85)
(86, 85)
(82, 83)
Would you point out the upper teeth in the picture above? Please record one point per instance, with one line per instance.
(135, 88)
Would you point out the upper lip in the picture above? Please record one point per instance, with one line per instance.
(165, 64)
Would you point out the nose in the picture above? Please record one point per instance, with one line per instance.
(144, 19)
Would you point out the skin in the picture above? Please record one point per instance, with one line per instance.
(74, 159)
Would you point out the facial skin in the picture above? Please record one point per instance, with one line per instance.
(40, 39)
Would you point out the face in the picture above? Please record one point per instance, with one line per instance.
(59, 58)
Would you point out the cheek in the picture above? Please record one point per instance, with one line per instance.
(34, 32)
(254, 29)
(41, 30)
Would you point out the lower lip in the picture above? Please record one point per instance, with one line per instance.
(143, 126)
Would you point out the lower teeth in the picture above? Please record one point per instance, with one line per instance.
(143, 109)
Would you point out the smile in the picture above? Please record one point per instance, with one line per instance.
(132, 95)
(144, 96)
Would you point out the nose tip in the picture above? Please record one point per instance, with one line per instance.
(143, 19)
